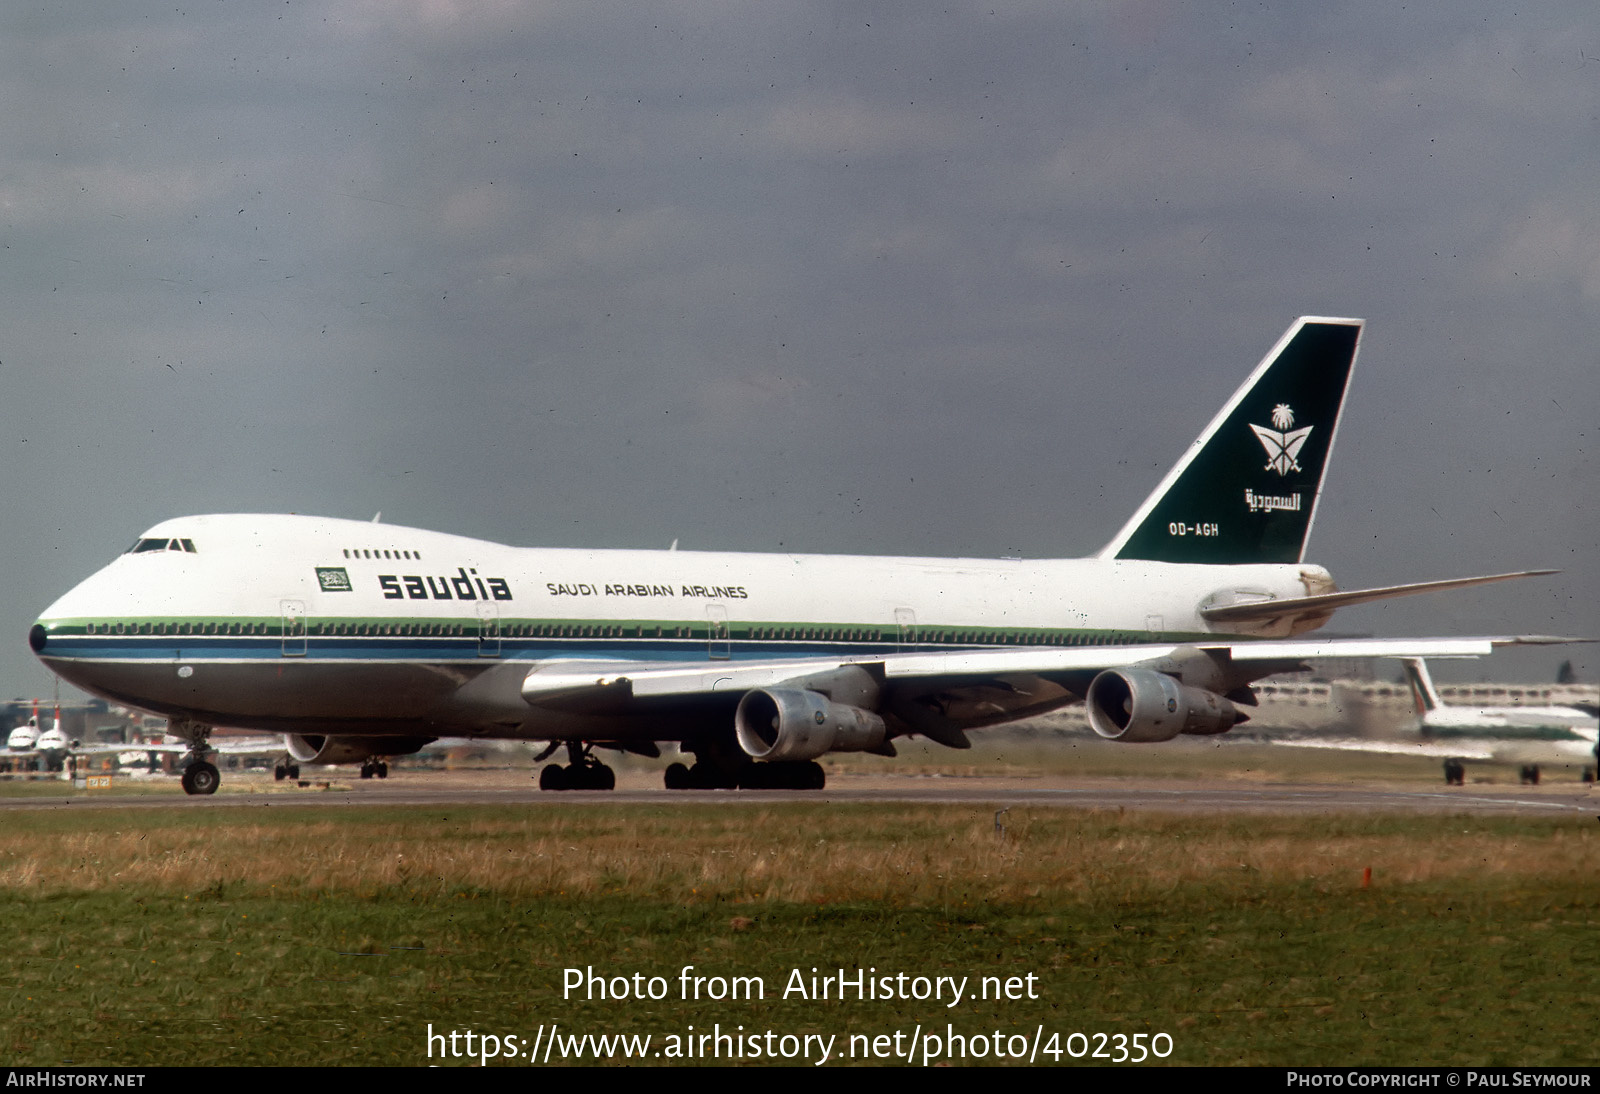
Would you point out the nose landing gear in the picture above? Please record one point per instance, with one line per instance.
(200, 775)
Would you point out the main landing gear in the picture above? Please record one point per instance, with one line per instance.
(285, 768)
(806, 775)
(1455, 773)
(581, 772)
(374, 769)
(715, 768)
(1530, 775)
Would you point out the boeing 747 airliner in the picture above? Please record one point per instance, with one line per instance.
(361, 640)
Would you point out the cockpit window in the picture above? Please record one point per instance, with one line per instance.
(145, 545)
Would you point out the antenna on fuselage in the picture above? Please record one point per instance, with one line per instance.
(377, 516)
(674, 546)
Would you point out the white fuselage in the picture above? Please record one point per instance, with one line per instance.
(1513, 734)
(25, 738)
(1507, 721)
(283, 622)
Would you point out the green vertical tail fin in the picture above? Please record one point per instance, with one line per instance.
(1247, 488)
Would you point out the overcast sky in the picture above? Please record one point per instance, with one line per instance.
(876, 278)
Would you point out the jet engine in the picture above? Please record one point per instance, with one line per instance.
(317, 749)
(795, 724)
(1139, 705)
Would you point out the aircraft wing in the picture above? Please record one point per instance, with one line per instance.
(939, 694)
(558, 680)
(235, 746)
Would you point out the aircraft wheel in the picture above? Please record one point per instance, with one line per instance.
(383, 770)
(201, 778)
(366, 770)
(816, 778)
(604, 778)
(280, 773)
(1533, 774)
(1588, 774)
(676, 777)
(553, 777)
(294, 771)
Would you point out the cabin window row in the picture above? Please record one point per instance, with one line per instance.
(376, 552)
(300, 627)
(582, 630)
(177, 628)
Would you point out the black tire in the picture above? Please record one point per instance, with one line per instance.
(294, 771)
(383, 770)
(201, 778)
(553, 777)
(604, 778)
(280, 773)
(676, 777)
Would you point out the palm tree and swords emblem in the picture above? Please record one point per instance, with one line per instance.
(1283, 444)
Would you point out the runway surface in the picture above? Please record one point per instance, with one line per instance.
(416, 788)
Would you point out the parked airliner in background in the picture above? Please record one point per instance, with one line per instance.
(361, 640)
(1526, 735)
(25, 738)
(52, 750)
(32, 747)
(30, 744)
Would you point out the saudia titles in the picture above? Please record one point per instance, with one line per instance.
(466, 585)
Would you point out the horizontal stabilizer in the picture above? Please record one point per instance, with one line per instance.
(1257, 611)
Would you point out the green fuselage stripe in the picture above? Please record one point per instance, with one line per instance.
(700, 629)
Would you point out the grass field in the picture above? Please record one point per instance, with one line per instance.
(297, 934)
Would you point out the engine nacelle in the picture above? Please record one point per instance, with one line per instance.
(1141, 705)
(317, 749)
(795, 724)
